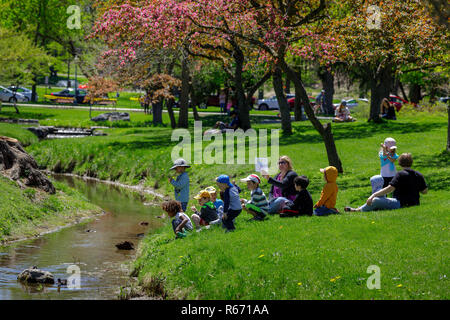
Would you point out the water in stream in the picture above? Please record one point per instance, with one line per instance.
(103, 267)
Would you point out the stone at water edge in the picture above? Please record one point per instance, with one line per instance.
(35, 275)
(144, 223)
(126, 245)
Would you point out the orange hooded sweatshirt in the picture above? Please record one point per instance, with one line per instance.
(329, 192)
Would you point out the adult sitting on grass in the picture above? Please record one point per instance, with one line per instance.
(233, 125)
(283, 188)
(387, 110)
(406, 186)
(342, 113)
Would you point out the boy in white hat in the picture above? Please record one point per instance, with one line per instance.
(258, 206)
(388, 155)
(181, 183)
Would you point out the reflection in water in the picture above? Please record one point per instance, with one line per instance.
(91, 246)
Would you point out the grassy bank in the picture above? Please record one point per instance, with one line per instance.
(312, 258)
(18, 132)
(30, 212)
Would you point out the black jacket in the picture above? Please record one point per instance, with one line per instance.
(286, 185)
(303, 204)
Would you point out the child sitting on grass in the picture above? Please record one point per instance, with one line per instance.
(208, 212)
(303, 203)
(181, 183)
(258, 206)
(180, 222)
(327, 202)
(218, 203)
(231, 202)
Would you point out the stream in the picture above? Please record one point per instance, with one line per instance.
(90, 246)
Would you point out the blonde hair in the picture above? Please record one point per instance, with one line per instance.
(288, 160)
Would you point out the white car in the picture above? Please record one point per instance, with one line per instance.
(351, 103)
(271, 103)
(7, 95)
(24, 91)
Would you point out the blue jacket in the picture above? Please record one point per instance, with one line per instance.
(181, 187)
(231, 199)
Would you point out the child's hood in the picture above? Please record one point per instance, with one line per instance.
(331, 174)
(377, 183)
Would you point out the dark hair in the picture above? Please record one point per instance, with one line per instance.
(171, 206)
(232, 113)
(405, 160)
(302, 181)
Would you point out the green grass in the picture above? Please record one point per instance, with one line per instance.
(29, 212)
(17, 132)
(329, 256)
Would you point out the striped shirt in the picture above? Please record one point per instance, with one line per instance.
(259, 199)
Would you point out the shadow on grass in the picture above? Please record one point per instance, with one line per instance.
(25, 115)
(359, 131)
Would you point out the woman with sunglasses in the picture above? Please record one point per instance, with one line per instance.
(283, 188)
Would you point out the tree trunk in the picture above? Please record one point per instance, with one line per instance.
(285, 110)
(194, 103)
(324, 131)
(380, 88)
(173, 121)
(33, 91)
(184, 95)
(243, 108)
(19, 166)
(403, 91)
(298, 111)
(157, 112)
(414, 93)
(327, 79)
(287, 87)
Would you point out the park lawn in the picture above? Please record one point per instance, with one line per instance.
(304, 258)
(18, 132)
(29, 212)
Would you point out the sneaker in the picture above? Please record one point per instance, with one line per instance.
(199, 229)
(181, 235)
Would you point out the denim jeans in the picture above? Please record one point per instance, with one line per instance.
(381, 203)
(323, 211)
(275, 205)
(184, 206)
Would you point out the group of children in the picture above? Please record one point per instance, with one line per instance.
(214, 211)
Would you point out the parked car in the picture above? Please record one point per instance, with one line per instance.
(351, 103)
(312, 100)
(7, 95)
(24, 91)
(70, 93)
(272, 103)
(64, 83)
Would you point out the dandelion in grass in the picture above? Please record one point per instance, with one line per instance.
(281, 227)
(261, 256)
(399, 285)
(299, 283)
(333, 279)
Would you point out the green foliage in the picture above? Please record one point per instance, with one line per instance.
(20, 60)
